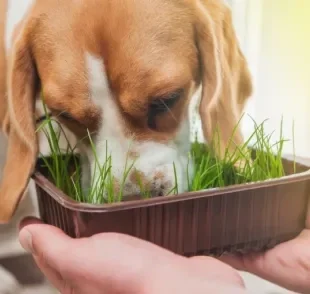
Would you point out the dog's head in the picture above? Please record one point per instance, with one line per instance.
(126, 71)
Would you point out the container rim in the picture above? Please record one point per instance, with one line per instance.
(71, 204)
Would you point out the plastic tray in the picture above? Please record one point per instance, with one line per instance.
(240, 218)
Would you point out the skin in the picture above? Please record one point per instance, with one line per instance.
(123, 264)
(116, 263)
(287, 265)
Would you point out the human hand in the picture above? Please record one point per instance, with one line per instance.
(113, 263)
(288, 264)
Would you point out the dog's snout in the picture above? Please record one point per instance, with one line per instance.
(155, 184)
(156, 169)
(161, 189)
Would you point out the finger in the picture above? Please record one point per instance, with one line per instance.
(221, 269)
(29, 220)
(45, 242)
(236, 261)
(52, 275)
(287, 265)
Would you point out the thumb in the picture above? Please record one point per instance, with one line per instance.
(45, 242)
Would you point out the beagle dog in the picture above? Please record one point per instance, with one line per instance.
(126, 72)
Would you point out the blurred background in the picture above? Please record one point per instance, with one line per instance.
(275, 38)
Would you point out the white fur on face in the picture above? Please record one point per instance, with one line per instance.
(153, 158)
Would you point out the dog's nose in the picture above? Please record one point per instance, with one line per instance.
(133, 191)
(158, 192)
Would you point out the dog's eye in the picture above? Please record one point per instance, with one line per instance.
(162, 105)
(67, 116)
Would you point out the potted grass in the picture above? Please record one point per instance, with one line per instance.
(225, 209)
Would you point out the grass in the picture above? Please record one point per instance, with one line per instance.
(210, 172)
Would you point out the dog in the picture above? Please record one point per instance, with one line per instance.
(124, 71)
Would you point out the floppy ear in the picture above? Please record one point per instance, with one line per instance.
(226, 81)
(22, 142)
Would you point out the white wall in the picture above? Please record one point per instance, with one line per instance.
(283, 81)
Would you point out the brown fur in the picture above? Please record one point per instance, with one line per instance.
(150, 49)
(224, 111)
(22, 148)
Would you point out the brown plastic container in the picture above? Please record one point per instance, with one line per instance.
(238, 218)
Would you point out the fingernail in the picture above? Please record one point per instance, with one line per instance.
(25, 239)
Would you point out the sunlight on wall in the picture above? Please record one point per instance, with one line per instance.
(283, 81)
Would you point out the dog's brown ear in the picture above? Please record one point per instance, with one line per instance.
(22, 141)
(226, 81)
